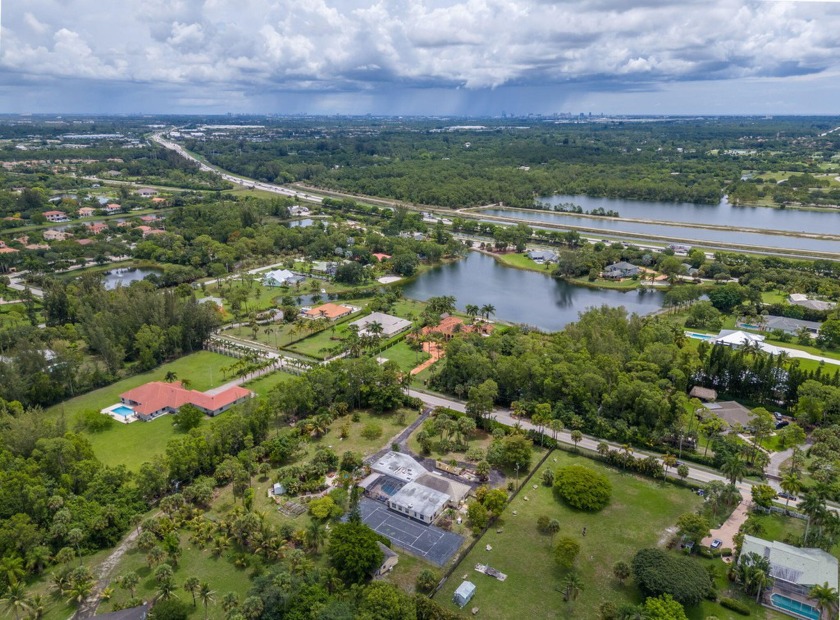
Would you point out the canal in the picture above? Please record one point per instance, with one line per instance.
(519, 296)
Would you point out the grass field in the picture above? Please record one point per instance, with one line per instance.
(479, 439)
(405, 357)
(639, 515)
(133, 444)
(265, 384)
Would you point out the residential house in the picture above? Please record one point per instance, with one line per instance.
(542, 256)
(56, 235)
(707, 394)
(158, 398)
(734, 414)
(281, 277)
(620, 270)
(381, 256)
(391, 325)
(798, 299)
(85, 241)
(328, 311)
(86, 211)
(149, 218)
(56, 216)
(451, 325)
(418, 501)
(789, 326)
(112, 208)
(298, 210)
(148, 230)
(147, 192)
(795, 570)
(159, 201)
(97, 227)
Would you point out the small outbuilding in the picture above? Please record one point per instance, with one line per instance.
(464, 593)
(390, 559)
(703, 393)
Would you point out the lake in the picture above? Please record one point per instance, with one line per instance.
(522, 296)
(614, 226)
(723, 214)
(126, 275)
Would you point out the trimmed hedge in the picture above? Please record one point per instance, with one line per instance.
(736, 606)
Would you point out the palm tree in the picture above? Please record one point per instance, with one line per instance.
(472, 311)
(206, 595)
(230, 602)
(37, 607)
(668, 461)
(826, 598)
(813, 506)
(734, 468)
(572, 585)
(577, 436)
(129, 581)
(487, 310)
(15, 600)
(11, 569)
(791, 484)
(170, 376)
(314, 535)
(191, 585)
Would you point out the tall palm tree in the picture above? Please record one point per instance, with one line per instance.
(315, 535)
(472, 310)
(791, 484)
(11, 569)
(207, 596)
(487, 310)
(191, 585)
(734, 468)
(826, 598)
(813, 506)
(15, 600)
(572, 586)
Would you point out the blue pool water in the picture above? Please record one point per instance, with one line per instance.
(389, 488)
(795, 607)
(700, 336)
(123, 411)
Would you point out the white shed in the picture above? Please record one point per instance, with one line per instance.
(464, 593)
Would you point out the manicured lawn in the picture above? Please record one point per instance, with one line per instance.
(773, 297)
(638, 516)
(621, 285)
(406, 357)
(133, 444)
(263, 385)
(521, 261)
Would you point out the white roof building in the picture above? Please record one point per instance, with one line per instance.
(391, 325)
(399, 466)
(280, 277)
(419, 502)
(794, 565)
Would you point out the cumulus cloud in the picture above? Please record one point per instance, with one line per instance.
(357, 45)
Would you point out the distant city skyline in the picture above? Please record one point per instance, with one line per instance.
(428, 57)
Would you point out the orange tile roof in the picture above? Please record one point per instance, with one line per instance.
(449, 327)
(380, 256)
(329, 311)
(5, 250)
(158, 395)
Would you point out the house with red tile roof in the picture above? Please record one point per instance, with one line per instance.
(328, 311)
(86, 212)
(148, 230)
(112, 208)
(451, 325)
(97, 227)
(149, 218)
(85, 241)
(158, 398)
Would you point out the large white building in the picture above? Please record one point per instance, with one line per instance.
(391, 325)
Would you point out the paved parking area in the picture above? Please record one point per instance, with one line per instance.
(425, 541)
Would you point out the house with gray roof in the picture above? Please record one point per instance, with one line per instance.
(399, 466)
(542, 256)
(281, 277)
(619, 270)
(391, 325)
(794, 570)
(418, 501)
(798, 299)
(790, 326)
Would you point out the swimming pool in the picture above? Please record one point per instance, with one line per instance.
(123, 411)
(389, 488)
(803, 610)
(700, 336)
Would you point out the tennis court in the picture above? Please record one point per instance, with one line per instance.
(425, 541)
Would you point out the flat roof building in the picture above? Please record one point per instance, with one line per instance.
(399, 466)
(419, 502)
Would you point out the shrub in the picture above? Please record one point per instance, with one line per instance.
(94, 422)
(548, 477)
(582, 488)
(426, 580)
(553, 526)
(170, 609)
(372, 431)
(737, 606)
(542, 523)
(726, 552)
(566, 551)
(659, 572)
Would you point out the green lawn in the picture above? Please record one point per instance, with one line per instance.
(639, 515)
(521, 261)
(479, 439)
(405, 357)
(265, 384)
(132, 444)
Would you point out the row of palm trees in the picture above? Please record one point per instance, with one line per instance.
(484, 311)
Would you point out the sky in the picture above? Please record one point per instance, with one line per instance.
(420, 57)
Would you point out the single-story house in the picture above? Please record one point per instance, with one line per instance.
(398, 465)
(328, 311)
(159, 201)
(707, 394)
(389, 561)
(798, 299)
(147, 192)
(418, 501)
(298, 210)
(86, 212)
(619, 270)
(464, 593)
(157, 398)
(327, 268)
(542, 256)
(391, 325)
(456, 491)
(56, 216)
(148, 230)
(149, 218)
(789, 326)
(794, 570)
(731, 412)
(451, 325)
(281, 277)
(85, 241)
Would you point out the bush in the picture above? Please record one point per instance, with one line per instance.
(659, 572)
(426, 580)
(548, 477)
(170, 609)
(726, 552)
(542, 523)
(566, 551)
(94, 422)
(737, 606)
(582, 488)
(372, 431)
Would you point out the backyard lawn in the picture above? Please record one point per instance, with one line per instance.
(405, 357)
(639, 515)
(133, 444)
